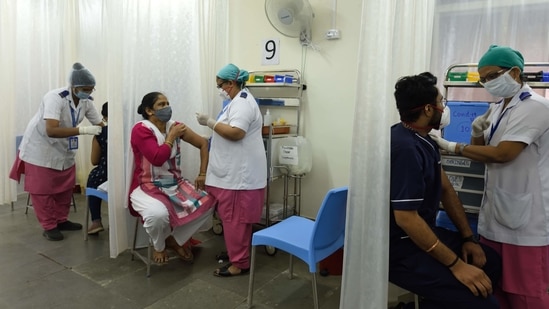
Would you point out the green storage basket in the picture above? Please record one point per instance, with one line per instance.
(457, 76)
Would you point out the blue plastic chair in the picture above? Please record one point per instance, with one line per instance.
(311, 241)
(97, 193)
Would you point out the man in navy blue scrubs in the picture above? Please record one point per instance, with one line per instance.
(446, 269)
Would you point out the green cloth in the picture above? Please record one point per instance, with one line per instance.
(502, 56)
(232, 72)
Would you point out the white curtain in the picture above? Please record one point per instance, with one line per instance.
(37, 52)
(395, 41)
(132, 47)
(465, 29)
(401, 38)
(158, 46)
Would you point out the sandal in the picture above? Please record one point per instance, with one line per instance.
(194, 242)
(184, 252)
(225, 272)
(187, 255)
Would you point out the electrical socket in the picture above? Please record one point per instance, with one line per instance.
(333, 34)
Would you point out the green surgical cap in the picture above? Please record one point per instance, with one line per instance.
(80, 76)
(502, 56)
(232, 72)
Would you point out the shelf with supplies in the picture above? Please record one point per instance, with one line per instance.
(464, 75)
(466, 84)
(276, 84)
(467, 178)
(465, 175)
(279, 93)
(277, 131)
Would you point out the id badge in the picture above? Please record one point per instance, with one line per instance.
(73, 142)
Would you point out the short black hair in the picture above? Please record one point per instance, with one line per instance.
(105, 109)
(415, 91)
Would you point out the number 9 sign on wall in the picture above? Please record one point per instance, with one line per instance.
(271, 52)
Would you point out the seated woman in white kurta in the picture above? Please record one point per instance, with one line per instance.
(172, 210)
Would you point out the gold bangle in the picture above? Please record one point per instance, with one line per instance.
(202, 174)
(433, 246)
(169, 143)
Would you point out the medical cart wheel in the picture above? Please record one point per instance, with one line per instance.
(217, 226)
(270, 250)
(217, 229)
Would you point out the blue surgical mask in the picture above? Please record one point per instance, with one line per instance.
(164, 114)
(83, 95)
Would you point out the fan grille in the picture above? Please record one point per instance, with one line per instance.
(290, 17)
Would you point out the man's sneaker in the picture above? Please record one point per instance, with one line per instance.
(69, 226)
(53, 234)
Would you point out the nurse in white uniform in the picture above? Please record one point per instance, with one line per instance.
(512, 138)
(237, 169)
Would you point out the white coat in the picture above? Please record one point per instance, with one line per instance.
(515, 207)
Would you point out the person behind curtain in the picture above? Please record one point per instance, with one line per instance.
(47, 150)
(446, 269)
(237, 170)
(512, 138)
(98, 174)
(157, 176)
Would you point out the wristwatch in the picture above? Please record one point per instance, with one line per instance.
(472, 238)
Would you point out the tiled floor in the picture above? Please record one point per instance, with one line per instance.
(73, 273)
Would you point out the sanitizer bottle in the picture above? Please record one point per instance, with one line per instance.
(267, 120)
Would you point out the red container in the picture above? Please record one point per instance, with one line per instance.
(268, 79)
(333, 264)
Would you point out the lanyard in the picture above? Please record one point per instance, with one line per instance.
(225, 106)
(75, 119)
(493, 129)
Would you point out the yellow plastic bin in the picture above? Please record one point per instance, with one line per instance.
(473, 77)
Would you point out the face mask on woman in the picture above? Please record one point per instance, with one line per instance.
(224, 95)
(164, 114)
(504, 86)
(82, 95)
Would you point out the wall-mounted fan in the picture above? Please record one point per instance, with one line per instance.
(292, 18)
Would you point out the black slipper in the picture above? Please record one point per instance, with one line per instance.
(224, 271)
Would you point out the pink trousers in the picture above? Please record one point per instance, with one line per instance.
(238, 211)
(51, 192)
(525, 276)
(51, 209)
